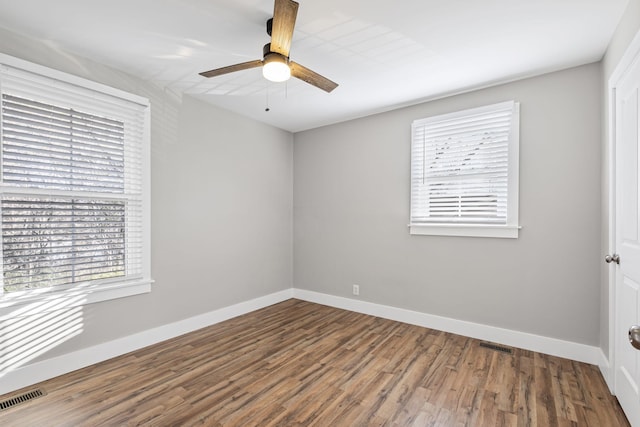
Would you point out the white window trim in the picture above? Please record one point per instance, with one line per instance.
(15, 303)
(509, 230)
(466, 230)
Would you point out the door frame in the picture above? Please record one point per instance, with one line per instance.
(630, 56)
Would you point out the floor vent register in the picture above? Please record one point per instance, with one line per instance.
(22, 398)
(496, 347)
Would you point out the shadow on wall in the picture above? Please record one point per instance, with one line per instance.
(32, 329)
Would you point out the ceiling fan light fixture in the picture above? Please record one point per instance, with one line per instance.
(276, 68)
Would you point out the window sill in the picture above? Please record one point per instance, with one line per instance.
(24, 304)
(466, 230)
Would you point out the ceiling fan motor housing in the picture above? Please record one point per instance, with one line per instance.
(266, 52)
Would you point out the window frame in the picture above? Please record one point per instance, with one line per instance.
(510, 228)
(90, 292)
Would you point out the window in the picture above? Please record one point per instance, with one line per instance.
(464, 173)
(73, 187)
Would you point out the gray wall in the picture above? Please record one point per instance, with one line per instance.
(221, 206)
(222, 210)
(627, 29)
(351, 209)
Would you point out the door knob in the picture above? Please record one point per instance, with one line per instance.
(612, 258)
(634, 336)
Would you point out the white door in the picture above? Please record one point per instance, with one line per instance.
(627, 230)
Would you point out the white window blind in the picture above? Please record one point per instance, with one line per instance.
(48, 146)
(464, 170)
(72, 191)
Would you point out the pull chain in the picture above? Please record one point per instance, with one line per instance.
(267, 92)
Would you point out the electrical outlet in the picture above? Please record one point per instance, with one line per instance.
(356, 290)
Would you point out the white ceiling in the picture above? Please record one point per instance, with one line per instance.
(384, 54)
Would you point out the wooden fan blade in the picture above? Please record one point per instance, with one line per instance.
(232, 68)
(284, 19)
(311, 77)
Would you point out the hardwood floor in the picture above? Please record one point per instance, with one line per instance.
(302, 364)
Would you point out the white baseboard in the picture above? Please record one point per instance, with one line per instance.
(541, 344)
(605, 370)
(50, 368)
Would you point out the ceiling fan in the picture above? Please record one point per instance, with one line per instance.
(275, 63)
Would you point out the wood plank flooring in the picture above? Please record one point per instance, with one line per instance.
(303, 364)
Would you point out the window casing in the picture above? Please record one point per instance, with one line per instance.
(464, 173)
(74, 187)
